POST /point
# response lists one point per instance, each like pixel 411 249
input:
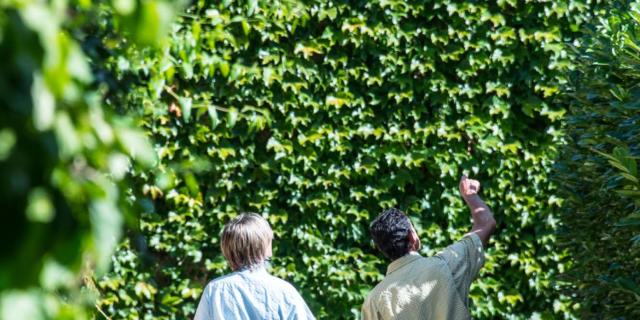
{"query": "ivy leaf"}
pixel 185 104
pixel 251 7
pixel 213 114
pixel 224 68
pixel 232 117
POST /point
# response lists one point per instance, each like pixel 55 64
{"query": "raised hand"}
pixel 483 222
pixel 468 187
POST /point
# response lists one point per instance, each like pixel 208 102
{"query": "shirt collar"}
pixel 260 268
pixel 403 261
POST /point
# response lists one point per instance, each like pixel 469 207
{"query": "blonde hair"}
pixel 246 241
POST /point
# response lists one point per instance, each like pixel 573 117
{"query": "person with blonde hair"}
pixel 250 292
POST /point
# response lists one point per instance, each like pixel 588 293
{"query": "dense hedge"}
pixel 320 115
pixel 63 157
pixel 599 169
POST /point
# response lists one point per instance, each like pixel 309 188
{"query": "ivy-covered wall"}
pixel 319 116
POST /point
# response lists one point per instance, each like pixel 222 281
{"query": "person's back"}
pixel 251 294
pixel 436 287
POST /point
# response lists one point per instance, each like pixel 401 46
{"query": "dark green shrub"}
pixel 63 158
pixel 598 169
pixel 319 116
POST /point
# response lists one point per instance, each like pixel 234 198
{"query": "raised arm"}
pixel 483 222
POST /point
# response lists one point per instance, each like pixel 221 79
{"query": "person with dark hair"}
pixel 435 287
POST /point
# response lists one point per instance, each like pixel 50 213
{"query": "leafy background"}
pixel 64 156
pixel 317 115
pixel 599 168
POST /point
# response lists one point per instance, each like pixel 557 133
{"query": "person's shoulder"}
pixel 469 242
pixel 436 267
pixel 222 281
pixel 380 290
pixel 422 269
pixel 370 299
pixel 280 284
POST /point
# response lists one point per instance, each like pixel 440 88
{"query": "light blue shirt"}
pixel 251 294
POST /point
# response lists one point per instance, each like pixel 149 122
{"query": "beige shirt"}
pixel 428 288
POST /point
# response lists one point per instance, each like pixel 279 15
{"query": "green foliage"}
pixel 63 159
pixel 319 116
pixel 598 169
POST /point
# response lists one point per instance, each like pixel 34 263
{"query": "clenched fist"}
pixel 469 187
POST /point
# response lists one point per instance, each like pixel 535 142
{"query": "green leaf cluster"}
pixel 63 157
pixel 598 168
pixel 320 115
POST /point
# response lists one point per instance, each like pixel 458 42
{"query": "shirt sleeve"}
pixel 301 311
pixel 464 258
pixel 304 311
pixel 368 313
pixel 298 307
pixel 203 311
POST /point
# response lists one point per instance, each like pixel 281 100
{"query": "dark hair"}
pixel 390 232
